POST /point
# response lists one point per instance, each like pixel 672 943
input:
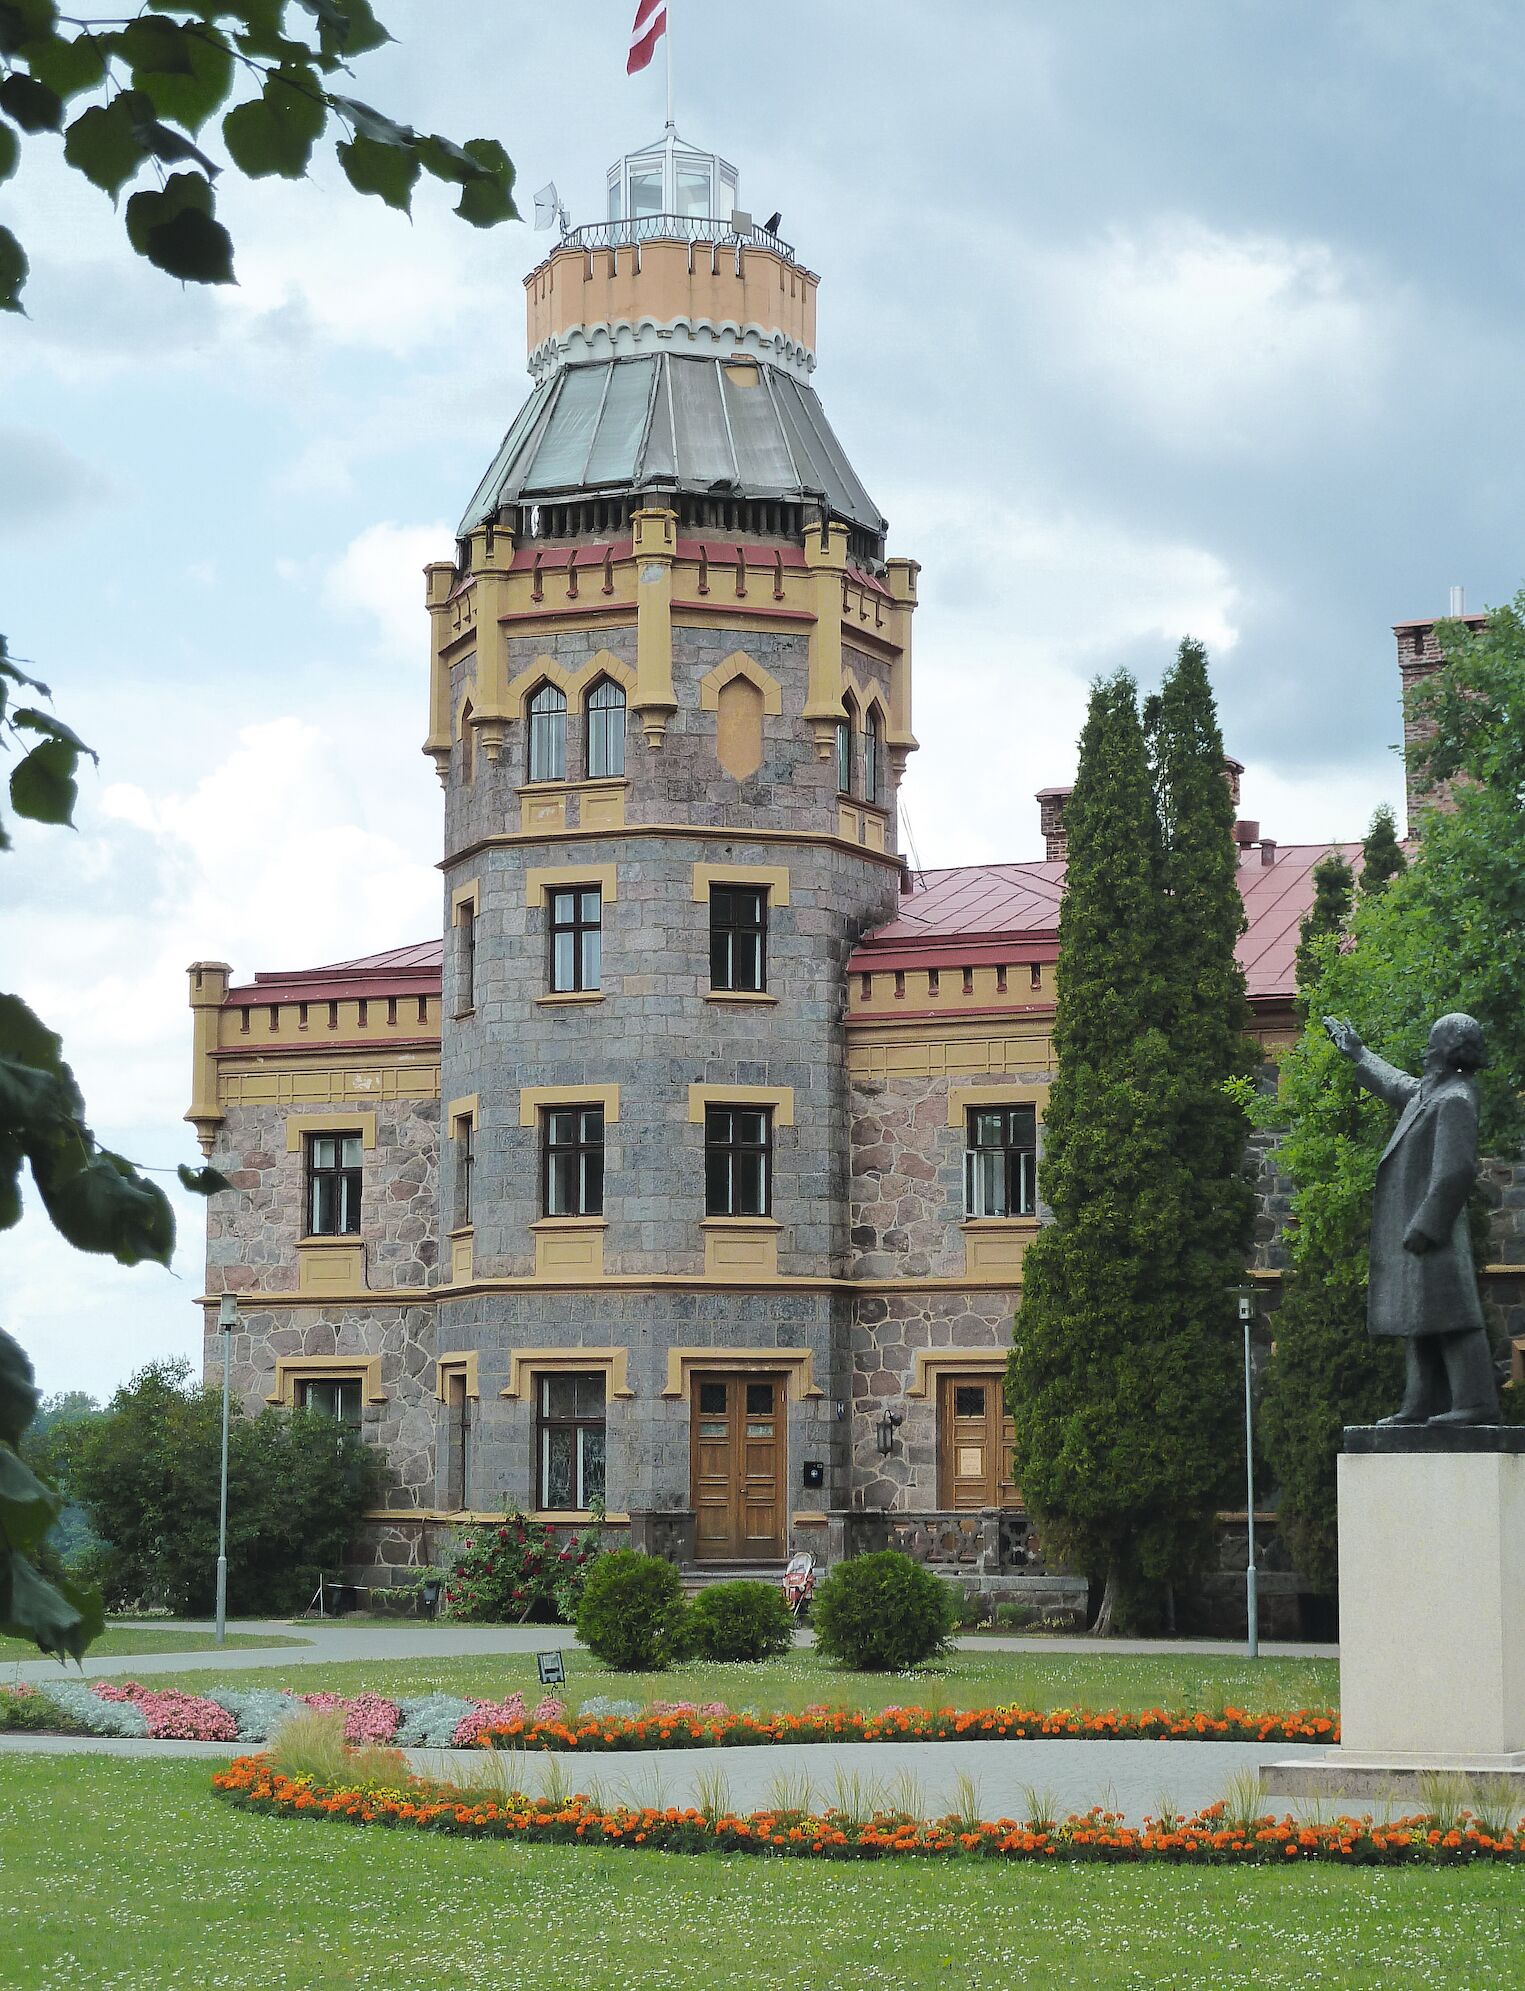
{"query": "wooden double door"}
pixel 974 1444
pixel 737 1460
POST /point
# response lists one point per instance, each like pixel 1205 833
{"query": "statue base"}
pixel 1432 1594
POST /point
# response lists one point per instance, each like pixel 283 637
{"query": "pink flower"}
pixel 487 1714
pixel 173 1716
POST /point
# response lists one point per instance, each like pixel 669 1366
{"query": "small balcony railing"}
pixel 673 228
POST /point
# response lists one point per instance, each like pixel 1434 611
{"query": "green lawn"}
pixel 965 1679
pixel 121 1642
pixel 180 1890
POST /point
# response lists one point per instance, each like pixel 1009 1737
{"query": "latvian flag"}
pixel 650 26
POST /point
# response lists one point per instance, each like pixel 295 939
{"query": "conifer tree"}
pixel 1333 894
pixel 1382 855
pixel 1102 1393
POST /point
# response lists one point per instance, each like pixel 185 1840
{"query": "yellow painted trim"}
pixel 569 1249
pixel 328 1265
pixel 930 1363
pixel 779 1097
pixel 774 878
pixel 739 995
pixel 739 664
pixel 291 1369
pixel 796 1364
pixel 299 1123
pixel 468 894
pixel 452 1364
pixel 522 1362
pixel 809 1520
pixel 807 839
pixel 542 878
pixel 569 995
pixel 1002 1092
pixel 576 1517
pixel 740 1247
pixel 574 685
pixel 475 1517
pixel 533 1097
pixel 463 1245
pixel 461 1109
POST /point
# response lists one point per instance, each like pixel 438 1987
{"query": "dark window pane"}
pixel 558 1396
pixel 759 1399
pixel 738 929
pixel 576 953
pixel 969 1400
pixel 558 1443
pixel 717 1183
pixel 711 1399
pixel 592 1465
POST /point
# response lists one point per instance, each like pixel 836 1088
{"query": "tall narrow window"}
pixel 738 1152
pixel 468 755
pixel 465 1162
pixel 574 1161
pixel 337 1397
pixel 873 754
pixel 606 730
pixel 577 938
pixel 569 1443
pixel 457 1439
pixel 548 735
pixel 1001 1161
pixel 844 756
pixel 465 957
pixel 738 938
pixel 333 1185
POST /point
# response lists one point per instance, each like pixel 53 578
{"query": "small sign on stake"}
pixel 553 1671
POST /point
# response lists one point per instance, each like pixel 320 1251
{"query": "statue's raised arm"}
pixel 1385 1080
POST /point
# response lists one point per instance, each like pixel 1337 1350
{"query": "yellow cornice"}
pixel 707 833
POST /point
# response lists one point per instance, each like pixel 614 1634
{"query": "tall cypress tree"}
pixel 1382 855
pixel 1099 1389
pixel 1333 893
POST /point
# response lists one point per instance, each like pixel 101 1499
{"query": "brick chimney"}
pixel 1051 802
pixel 1419 657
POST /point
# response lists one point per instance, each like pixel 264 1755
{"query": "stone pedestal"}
pixel 1432 1592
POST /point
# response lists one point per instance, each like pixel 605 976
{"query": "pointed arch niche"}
pixel 739 692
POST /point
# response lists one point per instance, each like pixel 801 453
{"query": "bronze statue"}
pixel 1423 1286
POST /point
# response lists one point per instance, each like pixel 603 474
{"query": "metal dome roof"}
pixel 673 422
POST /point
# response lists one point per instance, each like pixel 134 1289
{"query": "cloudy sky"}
pixel 1136 321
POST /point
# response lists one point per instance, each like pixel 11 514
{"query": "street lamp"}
pixel 227 1320
pixel 1244 1297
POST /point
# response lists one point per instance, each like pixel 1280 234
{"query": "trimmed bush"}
pixel 878 1613
pixel 632 1615
pixel 740 1621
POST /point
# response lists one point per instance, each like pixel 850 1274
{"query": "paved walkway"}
pixel 995 1778
pixel 341 1641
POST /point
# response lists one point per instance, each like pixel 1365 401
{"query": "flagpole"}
pixel 667 39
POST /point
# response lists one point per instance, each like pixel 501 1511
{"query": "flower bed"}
pixel 1210 1837
pixel 718 1728
pixel 443 1721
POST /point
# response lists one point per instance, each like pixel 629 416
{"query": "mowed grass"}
pixel 1129 1681
pixel 121 1875
pixel 123 1642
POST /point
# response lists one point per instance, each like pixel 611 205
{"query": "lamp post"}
pixel 227 1320
pixel 1245 1299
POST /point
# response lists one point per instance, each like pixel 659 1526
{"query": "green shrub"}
pixel 632 1615
pixel 878 1613
pixel 22 1707
pixel 518 1574
pixel 740 1621
pixel 1015 1617
pixel 970 1607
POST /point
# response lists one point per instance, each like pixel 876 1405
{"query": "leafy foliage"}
pixel 1382 855
pixel 161 77
pixel 1446 933
pixel 518 1574
pixel 147 1473
pixel 740 1621
pixel 1122 1377
pixel 1334 889
pixel 881 1612
pixel 632 1615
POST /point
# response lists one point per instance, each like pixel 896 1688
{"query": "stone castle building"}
pixel 688 1175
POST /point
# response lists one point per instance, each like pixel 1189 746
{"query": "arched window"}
pixel 845 749
pixel 468 746
pixel 873 754
pixel 548 735
pixel 606 729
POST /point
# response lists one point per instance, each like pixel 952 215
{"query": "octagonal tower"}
pixel 670 707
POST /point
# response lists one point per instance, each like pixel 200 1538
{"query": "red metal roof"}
pixel 413 970
pixel 980 912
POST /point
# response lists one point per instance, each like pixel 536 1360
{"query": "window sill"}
pixel 1000 1224
pixel 463 1230
pixel 458 1015
pixel 330 1240
pixel 739 995
pixel 573 785
pixel 581 1516
pixel 570 1224
pixel 740 1224
pixel 570 995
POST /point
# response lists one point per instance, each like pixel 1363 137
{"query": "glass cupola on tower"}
pixel 672 177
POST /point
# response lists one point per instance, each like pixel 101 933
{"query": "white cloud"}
pixel 1214 342
pixel 379 576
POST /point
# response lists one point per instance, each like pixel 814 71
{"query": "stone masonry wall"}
pixel 888 1331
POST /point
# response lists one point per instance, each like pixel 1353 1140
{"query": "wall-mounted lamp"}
pixel 886 1428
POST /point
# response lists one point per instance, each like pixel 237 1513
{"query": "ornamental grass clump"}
pixel 740 1621
pixel 632 1615
pixel 881 1613
pixel 310 1748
